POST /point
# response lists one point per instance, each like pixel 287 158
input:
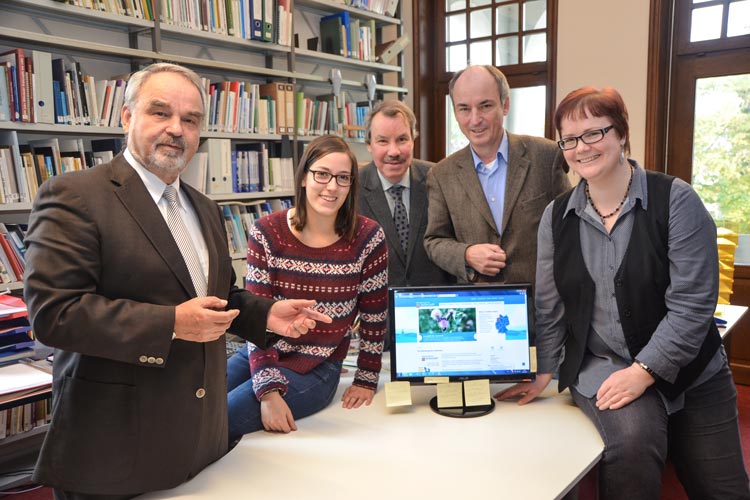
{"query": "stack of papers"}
pixel 21 380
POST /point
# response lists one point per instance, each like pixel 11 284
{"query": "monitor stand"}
pixel 462 411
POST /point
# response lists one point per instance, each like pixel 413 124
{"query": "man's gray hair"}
pixel 136 80
pixel 503 89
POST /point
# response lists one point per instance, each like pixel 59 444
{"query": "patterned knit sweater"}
pixel 345 278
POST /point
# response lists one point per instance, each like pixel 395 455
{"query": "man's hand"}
pixel 355 395
pixel 528 390
pixel 275 413
pixel 485 258
pixel 623 387
pixel 293 317
pixel 202 319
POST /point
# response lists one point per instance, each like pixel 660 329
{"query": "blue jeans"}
pixel 306 393
pixel 702 440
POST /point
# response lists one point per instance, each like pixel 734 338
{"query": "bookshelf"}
pixel 108 44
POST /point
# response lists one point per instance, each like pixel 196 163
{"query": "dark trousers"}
pixel 702 440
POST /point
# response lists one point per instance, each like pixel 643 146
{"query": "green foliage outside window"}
pixel 721 148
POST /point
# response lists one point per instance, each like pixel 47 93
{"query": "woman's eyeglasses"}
pixel 322 177
pixel 590 137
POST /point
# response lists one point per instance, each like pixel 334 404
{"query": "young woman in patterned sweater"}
pixel 320 249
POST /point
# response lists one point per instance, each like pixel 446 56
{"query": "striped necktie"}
pixel 184 241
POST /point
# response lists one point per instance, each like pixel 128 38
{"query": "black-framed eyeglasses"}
pixel 323 177
pixel 590 137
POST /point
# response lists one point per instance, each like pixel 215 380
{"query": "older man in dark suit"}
pixel 486 200
pixel 390 133
pixel 129 278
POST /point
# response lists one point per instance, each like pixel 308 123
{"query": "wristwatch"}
pixel 647 369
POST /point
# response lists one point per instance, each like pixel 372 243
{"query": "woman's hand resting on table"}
pixel 528 390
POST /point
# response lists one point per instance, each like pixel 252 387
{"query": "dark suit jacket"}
pixel 133 410
pixel 460 215
pixel 412 267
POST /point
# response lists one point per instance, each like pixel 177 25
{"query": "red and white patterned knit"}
pixel 345 278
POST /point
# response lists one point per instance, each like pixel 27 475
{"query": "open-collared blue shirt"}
pixel 493 180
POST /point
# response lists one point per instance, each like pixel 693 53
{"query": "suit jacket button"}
pixel 159 361
pixel 143 359
pixel 151 360
pixel 200 393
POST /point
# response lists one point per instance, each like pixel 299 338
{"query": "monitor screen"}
pixel 461 332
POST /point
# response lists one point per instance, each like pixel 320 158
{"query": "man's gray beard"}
pixel 169 165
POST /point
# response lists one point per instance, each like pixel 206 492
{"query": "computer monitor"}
pixel 461 332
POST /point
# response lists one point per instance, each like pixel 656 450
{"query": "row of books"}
pixel 332 115
pixel 242 107
pixel 385 7
pixel 81 99
pixel 141 9
pixel 219 167
pixel 12 255
pixel 23 418
pixel 24 167
pixel 263 20
pixel 22 77
pixel 343 35
pixel 36 88
pixel 218 14
pixel 240 217
pixel 222 168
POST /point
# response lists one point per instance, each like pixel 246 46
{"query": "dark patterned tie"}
pixel 184 241
pixel 400 217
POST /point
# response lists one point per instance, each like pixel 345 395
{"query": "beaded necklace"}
pixel 622 202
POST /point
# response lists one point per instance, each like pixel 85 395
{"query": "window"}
pixel 708 134
pixel 498 33
pixel 711 20
pixel 721 151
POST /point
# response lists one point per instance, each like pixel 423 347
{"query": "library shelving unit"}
pixel 106 43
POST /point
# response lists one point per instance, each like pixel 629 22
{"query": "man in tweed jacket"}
pixel 486 199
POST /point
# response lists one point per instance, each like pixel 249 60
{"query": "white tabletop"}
pixel 731 314
pixel 536 451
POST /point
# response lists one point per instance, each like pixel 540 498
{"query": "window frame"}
pixel 669 49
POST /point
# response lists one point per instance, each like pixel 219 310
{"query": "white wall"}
pixel 605 43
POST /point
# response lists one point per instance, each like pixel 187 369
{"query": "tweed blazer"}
pixel 133 409
pixel 460 216
pixel 412 267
